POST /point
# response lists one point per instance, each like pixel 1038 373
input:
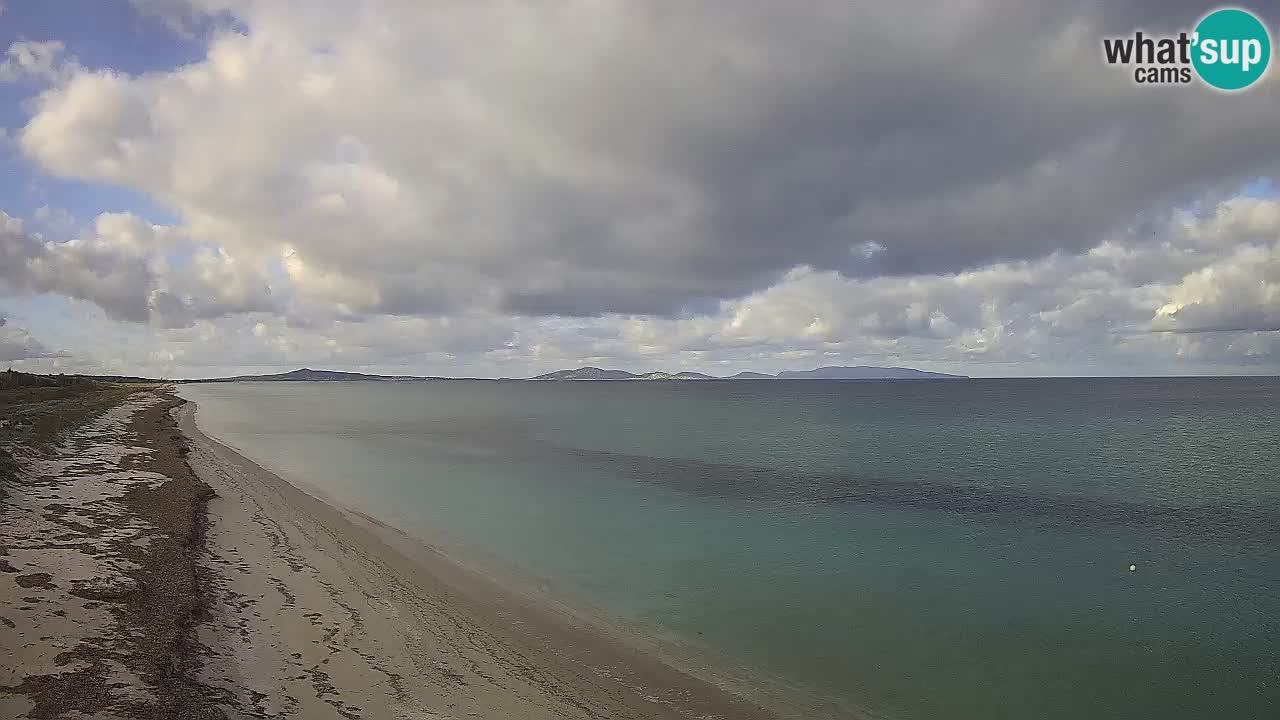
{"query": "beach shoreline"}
pixel 149 571
pixel 322 612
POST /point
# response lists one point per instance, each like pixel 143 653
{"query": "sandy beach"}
pixel 238 595
pixel 98 542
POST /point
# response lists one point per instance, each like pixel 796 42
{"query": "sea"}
pixel 1029 548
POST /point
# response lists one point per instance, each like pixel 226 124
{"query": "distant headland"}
pixel 860 372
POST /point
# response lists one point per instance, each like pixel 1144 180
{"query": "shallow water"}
pixel 912 550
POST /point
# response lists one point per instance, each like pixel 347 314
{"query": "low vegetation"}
pixel 36 410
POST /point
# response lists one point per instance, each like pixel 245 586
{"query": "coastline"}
pixel 321 612
pixel 149 571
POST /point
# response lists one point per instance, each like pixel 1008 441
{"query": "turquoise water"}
pixel 908 550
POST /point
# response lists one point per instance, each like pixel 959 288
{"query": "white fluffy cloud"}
pixel 37 61
pixel 17 343
pixel 133 270
pixel 517 184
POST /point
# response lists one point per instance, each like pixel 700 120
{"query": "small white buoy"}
pixel 1132 568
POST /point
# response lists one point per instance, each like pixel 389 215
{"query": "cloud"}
pixel 133 270
pixel 18 344
pixel 1240 290
pixel 1240 294
pixel 620 157
pixel 57 220
pixel 36 61
pixel 699 185
pixel 1121 304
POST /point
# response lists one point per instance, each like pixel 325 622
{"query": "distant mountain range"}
pixel 595 373
pixel 861 372
pixel 866 372
pixel 309 375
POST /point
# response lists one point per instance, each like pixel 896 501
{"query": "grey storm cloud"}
pixel 947 137
pixel 647 157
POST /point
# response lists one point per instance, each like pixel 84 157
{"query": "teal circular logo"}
pixel 1231 49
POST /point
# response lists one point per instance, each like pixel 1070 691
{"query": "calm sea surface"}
pixel 907 550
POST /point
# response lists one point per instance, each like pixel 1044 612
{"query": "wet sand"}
pixel 321 613
pixel 130 590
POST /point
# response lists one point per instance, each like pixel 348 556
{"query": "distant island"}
pixel 860 372
pixel 866 372
pixel 309 375
pixel 594 373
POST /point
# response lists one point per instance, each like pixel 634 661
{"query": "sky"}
pixel 196 188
